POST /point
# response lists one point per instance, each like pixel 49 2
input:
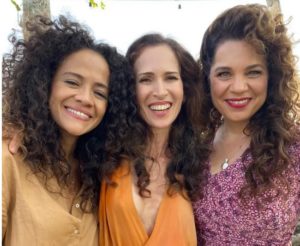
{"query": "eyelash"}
pixel 223 74
pixel 172 78
pixel 71 82
pixel 142 80
pixel 252 73
pixel 74 83
pixel 102 95
pixel 255 72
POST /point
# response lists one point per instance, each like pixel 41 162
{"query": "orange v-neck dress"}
pixel 120 224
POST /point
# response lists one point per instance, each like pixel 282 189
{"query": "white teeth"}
pixel 160 107
pixel 239 102
pixel 80 114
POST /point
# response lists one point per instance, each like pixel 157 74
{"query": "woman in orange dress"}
pixel 145 196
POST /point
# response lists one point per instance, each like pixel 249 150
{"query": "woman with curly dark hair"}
pixel 56 89
pixel 249 77
pixel 152 176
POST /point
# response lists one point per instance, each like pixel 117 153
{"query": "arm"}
pixel 9 190
pixel 6 162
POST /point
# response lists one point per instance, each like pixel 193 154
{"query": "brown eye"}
pixel 71 82
pixel 172 78
pixel 254 73
pixel 101 95
pixel 224 75
pixel 144 80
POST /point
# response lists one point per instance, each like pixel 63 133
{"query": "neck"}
pixel 231 133
pixel 68 145
pixel 229 143
pixel 232 129
pixel 158 144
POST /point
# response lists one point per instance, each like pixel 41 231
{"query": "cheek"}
pixel 54 95
pixel 177 91
pixel 218 87
pixel 180 91
pixel 101 109
pixel 52 103
pixel 261 88
pixel 264 87
pixel 215 88
pixel 141 95
pixel 181 95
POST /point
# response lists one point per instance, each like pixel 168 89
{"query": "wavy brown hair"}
pixel 186 170
pixel 272 128
pixel 27 77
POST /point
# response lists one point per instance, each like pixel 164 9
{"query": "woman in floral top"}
pixel 253 191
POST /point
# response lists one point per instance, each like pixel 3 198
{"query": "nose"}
pixel 84 96
pixel 160 89
pixel 239 84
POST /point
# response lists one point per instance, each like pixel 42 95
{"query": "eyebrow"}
pixel 256 65
pixel 175 72
pixel 145 73
pixel 151 73
pixel 99 84
pixel 249 67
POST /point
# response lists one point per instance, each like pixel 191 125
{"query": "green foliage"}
pixel 93 4
pixel 16 5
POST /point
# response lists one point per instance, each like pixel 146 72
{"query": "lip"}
pixel 85 115
pixel 238 102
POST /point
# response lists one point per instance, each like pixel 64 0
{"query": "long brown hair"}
pixel 272 128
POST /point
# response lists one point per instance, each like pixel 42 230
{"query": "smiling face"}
pixel 159 87
pixel 78 98
pixel 238 81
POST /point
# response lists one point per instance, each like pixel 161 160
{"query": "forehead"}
pixel 85 58
pixel 156 56
pixel 237 52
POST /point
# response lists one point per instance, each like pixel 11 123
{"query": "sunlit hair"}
pixel 27 77
pixel 272 128
pixel 185 171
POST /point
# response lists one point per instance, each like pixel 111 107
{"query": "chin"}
pixel 161 127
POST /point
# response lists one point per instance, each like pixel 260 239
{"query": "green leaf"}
pixel 16 5
pixel 93 4
pixel 102 5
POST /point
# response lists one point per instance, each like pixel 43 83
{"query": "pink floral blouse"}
pixel 222 219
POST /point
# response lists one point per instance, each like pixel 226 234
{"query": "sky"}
pixel 122 21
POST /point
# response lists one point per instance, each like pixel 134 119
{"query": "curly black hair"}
pixel 27 77
pixel 186 170
pixel 273 127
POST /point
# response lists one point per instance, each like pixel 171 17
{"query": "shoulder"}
pixel 11 163
pixel 294 152
pixel 124 169
pixel 7 157
pixel 294 148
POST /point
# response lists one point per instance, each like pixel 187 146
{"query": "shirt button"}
pixel 76 231
pixel 77 205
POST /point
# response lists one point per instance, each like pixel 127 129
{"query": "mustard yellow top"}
pixel 120 224
pixel 34 216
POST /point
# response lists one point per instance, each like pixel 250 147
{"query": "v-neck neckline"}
pixel 138 218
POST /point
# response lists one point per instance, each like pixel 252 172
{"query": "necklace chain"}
pixel 225 163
